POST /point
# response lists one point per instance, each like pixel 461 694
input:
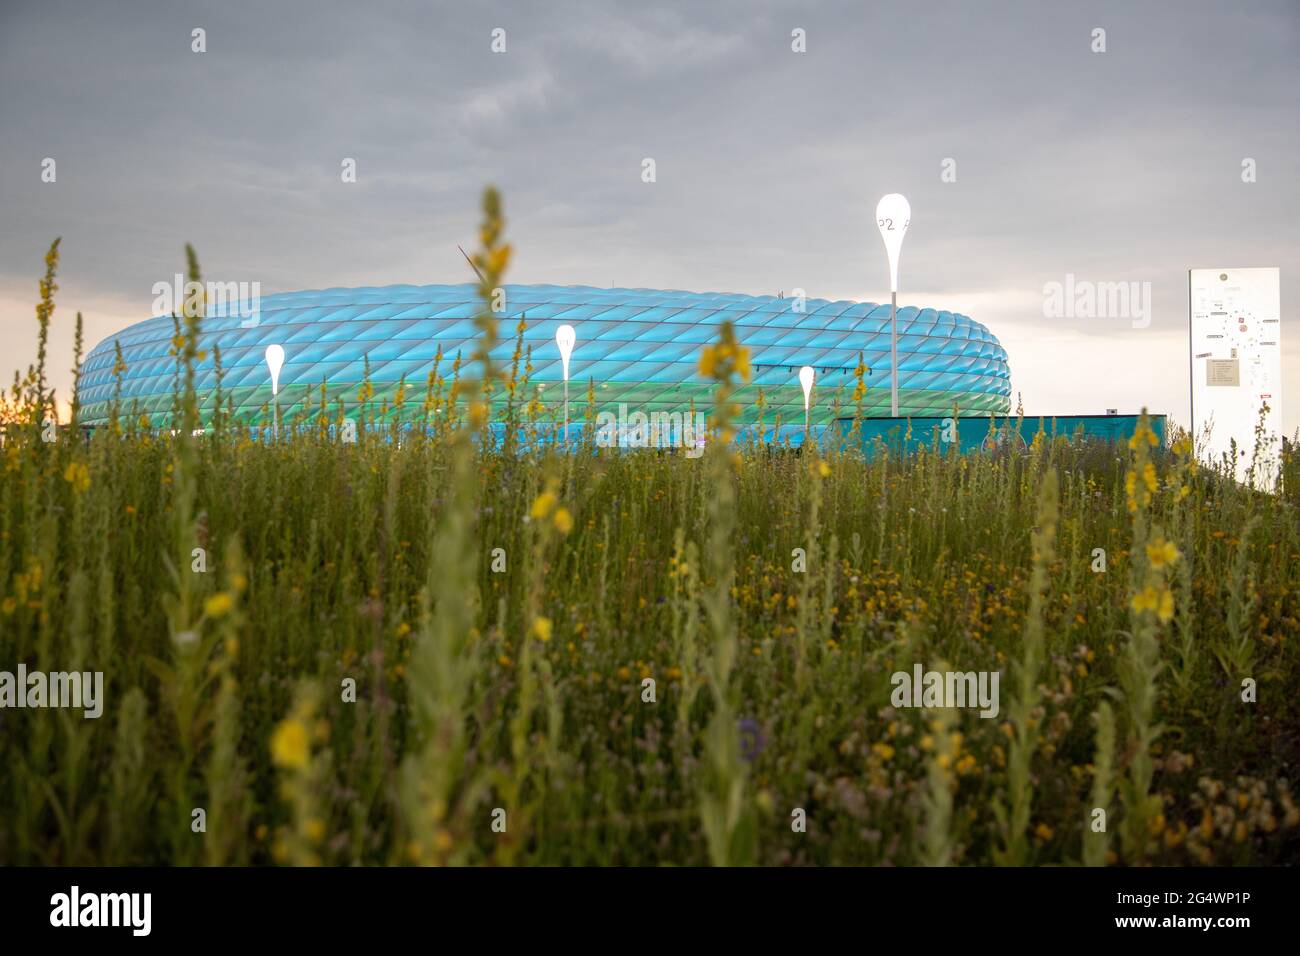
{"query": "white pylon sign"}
pixel 275 362
pixel 806 376
pixel 565 337
pixel 893 216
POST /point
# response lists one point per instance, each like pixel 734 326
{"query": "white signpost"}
pixel 275 362
pixel 565 337
pixel 1236 367
pixel 893 216
pixel 806 376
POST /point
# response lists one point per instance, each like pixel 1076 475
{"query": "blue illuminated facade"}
pixel 637 346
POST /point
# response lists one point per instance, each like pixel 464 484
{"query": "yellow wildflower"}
pixel 1149 477
pixel 543 506
pixel 289 744
pixel 1162 552
pixel 1148 599
pixel 217 605
pixel 563 520
pixel 742 363
pixel 1166 610
pixel 78 476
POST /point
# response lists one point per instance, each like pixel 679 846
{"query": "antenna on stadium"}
pixel 471 264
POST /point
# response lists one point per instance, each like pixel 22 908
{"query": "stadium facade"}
pixel 639 347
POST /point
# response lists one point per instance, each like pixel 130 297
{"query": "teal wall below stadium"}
pixel 906 435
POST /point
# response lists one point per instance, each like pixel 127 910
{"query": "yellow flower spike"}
pixel 1149 477
pixel 78 476
pixel 290 747
pixel 542 629
pixel 708 361
pixel 1148 599
pixel 218 604
pixel 1166 609
pixel 742 363
pixel 1161 552
pixel 543 506
pixel 563 521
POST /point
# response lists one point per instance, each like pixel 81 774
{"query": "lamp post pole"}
pixel 275 362
pixel 806 376
pixel 565 337
pixel 893 216
pixel 893 352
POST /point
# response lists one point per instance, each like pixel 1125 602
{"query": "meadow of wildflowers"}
pixel 425 647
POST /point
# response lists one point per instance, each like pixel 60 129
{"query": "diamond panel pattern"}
pixel 640 346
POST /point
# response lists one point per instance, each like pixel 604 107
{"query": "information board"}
pixel 1236 367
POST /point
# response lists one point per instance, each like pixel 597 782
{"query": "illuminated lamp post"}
pixel 275 362
pixel 806 376
pixel 565 337
pixel 893 216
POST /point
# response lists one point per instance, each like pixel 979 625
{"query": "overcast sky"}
pixel 1117 166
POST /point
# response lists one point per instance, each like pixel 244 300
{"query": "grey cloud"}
pixel 1115 166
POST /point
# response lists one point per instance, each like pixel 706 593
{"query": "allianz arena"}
pixel 636 346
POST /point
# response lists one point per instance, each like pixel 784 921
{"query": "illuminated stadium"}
pixel 638 347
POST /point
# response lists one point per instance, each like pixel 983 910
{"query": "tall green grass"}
pixel 500 608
